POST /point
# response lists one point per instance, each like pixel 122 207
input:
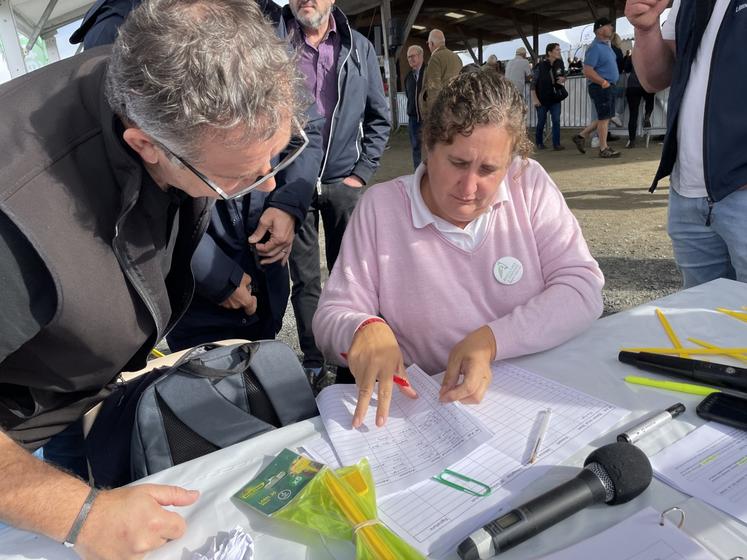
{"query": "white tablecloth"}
pixel 588 362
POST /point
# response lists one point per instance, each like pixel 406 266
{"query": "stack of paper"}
pixel 420 439
pixel 640 537
pixel 709 463
pixel 433 517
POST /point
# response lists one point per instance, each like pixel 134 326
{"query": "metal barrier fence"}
pixel 576 109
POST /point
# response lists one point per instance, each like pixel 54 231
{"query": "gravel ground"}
pixel 624 224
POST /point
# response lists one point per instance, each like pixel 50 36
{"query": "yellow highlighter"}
pixel 671 385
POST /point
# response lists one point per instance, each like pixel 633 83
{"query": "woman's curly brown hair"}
pixel 474 99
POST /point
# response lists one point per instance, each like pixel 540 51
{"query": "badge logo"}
pixel 508 270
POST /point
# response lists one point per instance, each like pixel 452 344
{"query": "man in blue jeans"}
pixel 703 151
pixel 547 74
pixel 600 69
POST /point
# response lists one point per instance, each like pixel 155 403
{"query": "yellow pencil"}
pixel 668 329
pixel 355 516
pixel 689 351
pixel 156 353
pixel 735 355
pixel 736 314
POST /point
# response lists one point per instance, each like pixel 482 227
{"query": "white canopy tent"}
pixel 38 20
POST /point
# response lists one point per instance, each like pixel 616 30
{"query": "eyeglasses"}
pixel 285 162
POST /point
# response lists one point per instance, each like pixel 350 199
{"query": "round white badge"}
pixel 508 270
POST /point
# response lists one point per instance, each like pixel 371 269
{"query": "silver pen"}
pixel 638 431
pixel 541 433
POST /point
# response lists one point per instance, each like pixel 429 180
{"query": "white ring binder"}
pixel 669 510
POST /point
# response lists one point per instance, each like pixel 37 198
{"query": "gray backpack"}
pixel 215 397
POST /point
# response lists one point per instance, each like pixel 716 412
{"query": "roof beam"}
pixel 523 37
pixel 63 19
pixel 489 8
pixel 592 9
pixel 465 42
pixel 354 8
pixel 409 22
pixel 452 30
pixel 40 26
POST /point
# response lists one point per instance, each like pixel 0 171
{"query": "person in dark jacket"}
pixel 547 73
pixel 413 87
pixel 102 20
pixel 634 93
pixel 107 174
pixel 342 74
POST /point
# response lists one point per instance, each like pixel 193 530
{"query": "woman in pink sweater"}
pixel 475 258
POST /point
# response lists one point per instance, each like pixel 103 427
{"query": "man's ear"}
pixel 143 145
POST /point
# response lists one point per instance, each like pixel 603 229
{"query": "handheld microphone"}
pixel 613 474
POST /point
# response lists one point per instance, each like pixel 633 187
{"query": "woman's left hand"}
pixel 471 360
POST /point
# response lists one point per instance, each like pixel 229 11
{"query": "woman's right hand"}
pixel 374 355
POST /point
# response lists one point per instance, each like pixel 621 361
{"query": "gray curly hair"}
pixel 189 71
pixel 477 98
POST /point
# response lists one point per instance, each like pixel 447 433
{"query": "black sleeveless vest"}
pixel 725 120
pixel 73 190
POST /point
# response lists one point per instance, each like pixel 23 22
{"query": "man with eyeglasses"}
pixel 413 87
pixel 109 164
pixel 242 283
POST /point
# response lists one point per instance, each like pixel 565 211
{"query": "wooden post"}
pixel 386 18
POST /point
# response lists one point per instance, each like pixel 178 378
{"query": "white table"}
pixel 588 363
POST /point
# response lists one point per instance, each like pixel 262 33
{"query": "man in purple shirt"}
pixel 317 41
pixel 342 74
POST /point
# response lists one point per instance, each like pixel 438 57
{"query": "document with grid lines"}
pixel 435 518
pixel 421 437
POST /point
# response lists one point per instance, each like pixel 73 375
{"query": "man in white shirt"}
pixel 518 70
pixel 704 150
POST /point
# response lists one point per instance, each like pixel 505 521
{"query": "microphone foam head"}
pixel 627 467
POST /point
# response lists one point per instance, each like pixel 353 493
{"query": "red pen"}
pixel 401 381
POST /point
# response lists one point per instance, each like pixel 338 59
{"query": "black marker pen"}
pixel 637 432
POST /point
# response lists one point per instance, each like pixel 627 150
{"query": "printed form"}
pixel 640 537
pixel 420 439
pixel 435 518
pixel 709 463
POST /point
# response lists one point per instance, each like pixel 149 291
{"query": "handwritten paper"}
pixel 435 518
pixel 421 437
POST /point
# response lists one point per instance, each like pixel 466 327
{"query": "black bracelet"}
pixel 85 509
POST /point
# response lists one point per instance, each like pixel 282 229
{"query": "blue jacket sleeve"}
pixel 376 123
pixel 296 183
pixel 216 274
pixel 101 22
